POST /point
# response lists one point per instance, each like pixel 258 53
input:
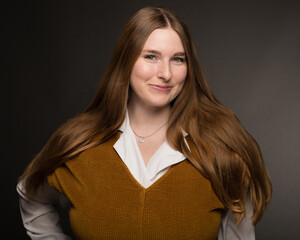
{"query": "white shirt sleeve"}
pixel 244 231
pixel 40 215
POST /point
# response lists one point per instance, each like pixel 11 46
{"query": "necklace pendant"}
pixel 141 140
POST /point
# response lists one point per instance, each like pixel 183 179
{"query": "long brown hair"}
pixel 221 149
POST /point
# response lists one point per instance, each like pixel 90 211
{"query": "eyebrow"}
pixel 159 53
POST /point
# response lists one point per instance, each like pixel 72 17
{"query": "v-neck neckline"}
pixel 127 149
pixel 126 146
pixel 136 182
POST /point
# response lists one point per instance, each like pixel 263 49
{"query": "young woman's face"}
pixel 159 73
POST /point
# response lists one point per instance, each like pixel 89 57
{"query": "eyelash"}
pixel 150 57
pixel 178 59
pixel 153 57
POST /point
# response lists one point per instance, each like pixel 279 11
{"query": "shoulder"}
pixel 99 151
pixel 84 164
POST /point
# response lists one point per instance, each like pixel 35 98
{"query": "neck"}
pixel 146 119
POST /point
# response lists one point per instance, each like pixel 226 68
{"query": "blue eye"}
pixel 178 59
pixel 150 57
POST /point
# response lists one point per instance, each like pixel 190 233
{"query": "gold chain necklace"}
pixel 142 139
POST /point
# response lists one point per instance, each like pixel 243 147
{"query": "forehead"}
pixel 164 40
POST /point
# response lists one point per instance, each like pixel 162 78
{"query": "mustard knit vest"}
pixel 109 203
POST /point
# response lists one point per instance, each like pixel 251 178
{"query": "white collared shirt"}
pixel 41 218
pixel 129 152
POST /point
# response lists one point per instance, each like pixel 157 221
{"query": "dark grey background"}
pixel 55 52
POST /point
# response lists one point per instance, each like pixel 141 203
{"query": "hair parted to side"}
pixel 222 150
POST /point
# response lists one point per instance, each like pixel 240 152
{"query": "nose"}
pixel 164 71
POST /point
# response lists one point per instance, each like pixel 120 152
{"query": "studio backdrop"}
pixel 57 51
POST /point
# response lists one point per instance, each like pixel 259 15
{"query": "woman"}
pixel 154 156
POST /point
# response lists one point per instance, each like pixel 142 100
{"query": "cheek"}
pixel 181 76
pixel 180 79
pixel 180 87
pixel 141 71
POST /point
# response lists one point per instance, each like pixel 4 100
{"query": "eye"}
pixel 178 60
pixel 150 57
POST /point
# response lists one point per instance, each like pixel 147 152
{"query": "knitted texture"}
pixel 109 203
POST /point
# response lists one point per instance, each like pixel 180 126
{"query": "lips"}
pixel 160 88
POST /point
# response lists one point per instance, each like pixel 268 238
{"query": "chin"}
pixel 160 104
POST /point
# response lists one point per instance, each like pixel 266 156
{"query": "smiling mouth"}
pixel 160 88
